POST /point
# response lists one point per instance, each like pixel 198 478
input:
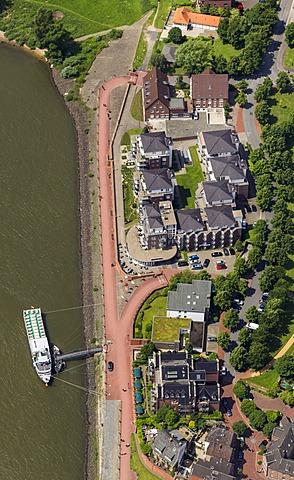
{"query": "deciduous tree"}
pixel 223 340
pixel 241 389
pixel 231 319
pixel 238 358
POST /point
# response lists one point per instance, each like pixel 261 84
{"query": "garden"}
pixel 188 182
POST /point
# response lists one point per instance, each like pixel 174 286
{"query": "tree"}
pixel 159 61
pixel 220 64
pixel 284 366
pixel 262 112
pixel 223 299
pixel 254 256
pixel 175 35
pixel 287 397
pixel 257 419
pixel 223 340
pixel 277 253
pixel 241 99
pixel 244 337
pixel 258 355
pixel 147 351
pixel 231 319
pixel 283 81
pixel 263 91
pixel 239 428
pixel 289 34
pixel 43 23
pixel 241 389
pixel 273 416
pixel 252 314
pixel 268 278
pixel 264 198
pixel 222 30
pixel 236 32
pixel 240 267
pixel 161 413
pixel 171 417
pixel 242 85
pixel 189 347
pixel 247 407
pixel 268 429
pixel 239 246
pixel 195 55
pixel 238 358
pixel 260 167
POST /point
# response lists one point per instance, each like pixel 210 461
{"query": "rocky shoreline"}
pixel 80 118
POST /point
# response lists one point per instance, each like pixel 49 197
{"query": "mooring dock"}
pixel 77 354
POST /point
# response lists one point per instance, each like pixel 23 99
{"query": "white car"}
pixel 224 371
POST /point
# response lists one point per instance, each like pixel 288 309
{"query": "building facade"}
pixel 209 90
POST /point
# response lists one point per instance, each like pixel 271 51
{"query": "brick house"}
pixel 156 94
pixel 278 460
pixel 209 90
pixel 215 3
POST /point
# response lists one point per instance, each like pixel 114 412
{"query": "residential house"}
pixel 169 333
pixel 209 90
pixel 186 19
pixel 154 151
pixel 190 300
pixel 231 168
pixel 215 3
pixel 215 193
pixel 169 448
pixel 154 186
pixel 220 456
pixel 156 94
pixel 218 143
pixel 185 384
pixel 278 460
pixel 159 225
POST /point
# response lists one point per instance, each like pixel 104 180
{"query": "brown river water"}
pixel 42 430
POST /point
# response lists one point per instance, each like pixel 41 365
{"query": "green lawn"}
pixel 130 212
pixel 164 6
pixel 140 52
pixel 126 138
pixel 156 309
pixel 166 329
pixel 284 105
pixel 137 106
pixel 226 50
pixel 82 17
pixel 267 379
pixel 188 182
pixel 136 464
pixel 289 58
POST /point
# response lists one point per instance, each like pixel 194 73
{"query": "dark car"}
pixel 110 366
pixel 263 443
pixel 254 209
pixel 183 263
pixel 226 252
pixel 249 209
pixel 216 254
pixel 232 251
pixel 225 402
pixel 206 263
pixel 212 339
pixel 240 455
pixel 229 412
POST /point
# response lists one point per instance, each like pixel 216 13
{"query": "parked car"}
pixel 225 402
pixel 193 257
pixel 226 252
pixel 196 260
pixel 211 339
pixel 183 263
pixel 224 371
pixel 220 262
pixel 196 266
pixel 216 254
pixel 249 209
pixel 232 251
pixel 254 209
pixel 240 301
pixel 263 443
pixel 261 307
pixel 206 263
pixel 265 296
pixel 221 267
pixel 240 455
pixel 236 306
pixel 244 224
pixel 110 366
pixel 229 412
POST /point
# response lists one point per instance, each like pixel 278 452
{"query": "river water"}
pixel 42 430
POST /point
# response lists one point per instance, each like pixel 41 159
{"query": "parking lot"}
pixel 212 267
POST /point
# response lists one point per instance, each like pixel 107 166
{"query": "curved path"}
pixel 117 330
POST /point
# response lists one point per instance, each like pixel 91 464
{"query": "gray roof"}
pixel 169 51
pixel 157 179
pixel 220 217
pixel 193 297
pixel 280 454
pixel 222 444
pixel 170 446
pixel 154 142
pixel 189 220
pixel 153 215
pixel 213 470
pixel 177 104
pixel 217 191
pixel 220 142
pixel 227 167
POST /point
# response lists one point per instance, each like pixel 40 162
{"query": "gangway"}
pixel 77 354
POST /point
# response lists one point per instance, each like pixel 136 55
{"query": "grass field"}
pixel 136 464
pixel 226 50
pixel 126 138
pixel 140 52
pixel 188 182
pixel 267 379
pixel 166 329
pixel 283 106
pixel 130 212
pixel 82 17
pixel 156 309
pixel 137 106
pixel 289 58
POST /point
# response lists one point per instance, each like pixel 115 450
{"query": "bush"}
pixel 69 72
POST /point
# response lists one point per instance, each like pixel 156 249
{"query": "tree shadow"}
pixel 183 194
